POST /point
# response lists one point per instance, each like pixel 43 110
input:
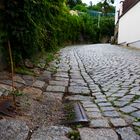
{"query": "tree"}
pixel 97 7
pixel 80 7
pixel 108 1
pixel 73 3
pixel 104 7
pixel 91 3
pixel 107 27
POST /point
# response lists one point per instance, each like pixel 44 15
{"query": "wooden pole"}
pixel 12 72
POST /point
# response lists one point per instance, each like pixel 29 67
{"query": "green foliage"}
pixel 73 3
pixel 69 112
pixel 25 71
pixel 109 1
pixel 104 7
pixel 17 93
pixel 34 26
pixel 74 135
pixel 107 25
pixel 80 7
pixel 30 25
pixel 90 28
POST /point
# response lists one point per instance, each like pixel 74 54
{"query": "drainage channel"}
pixel 75 114
pixel 80 114
pixel 100 87
pixel 76 56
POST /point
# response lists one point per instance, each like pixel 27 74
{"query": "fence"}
pixel 97 13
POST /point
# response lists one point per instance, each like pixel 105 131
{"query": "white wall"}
pixel 129 25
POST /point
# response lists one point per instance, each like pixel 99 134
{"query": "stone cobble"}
pixel 105 79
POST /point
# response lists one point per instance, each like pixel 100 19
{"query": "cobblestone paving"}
pixel 106 80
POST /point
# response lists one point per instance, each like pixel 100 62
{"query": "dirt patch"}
pixel 45 109
pixel 41 111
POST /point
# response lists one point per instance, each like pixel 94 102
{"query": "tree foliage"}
pixel 73 3
pixel 80 7
pixel 29 25
pixel 107 27
pixel 108 1
pixel 104 7
pixel 33 26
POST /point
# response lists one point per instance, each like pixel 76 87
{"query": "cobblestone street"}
pixel 106 80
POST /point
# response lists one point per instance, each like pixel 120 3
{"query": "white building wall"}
pixel 129 26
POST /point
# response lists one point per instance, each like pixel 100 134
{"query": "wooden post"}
pixel 12 72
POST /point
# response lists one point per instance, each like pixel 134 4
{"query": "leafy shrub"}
pixel 107 25
pixel 35 26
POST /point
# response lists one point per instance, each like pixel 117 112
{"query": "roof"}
pixel 128 4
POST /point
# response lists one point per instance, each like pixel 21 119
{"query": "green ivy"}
pixel 33 26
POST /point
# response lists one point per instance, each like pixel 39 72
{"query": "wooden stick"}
pixel 12 72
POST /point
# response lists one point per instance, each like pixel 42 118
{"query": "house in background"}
pixel 128 22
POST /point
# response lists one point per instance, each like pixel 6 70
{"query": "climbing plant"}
pixel 25 24
pixel 107 25
pixel 32 26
